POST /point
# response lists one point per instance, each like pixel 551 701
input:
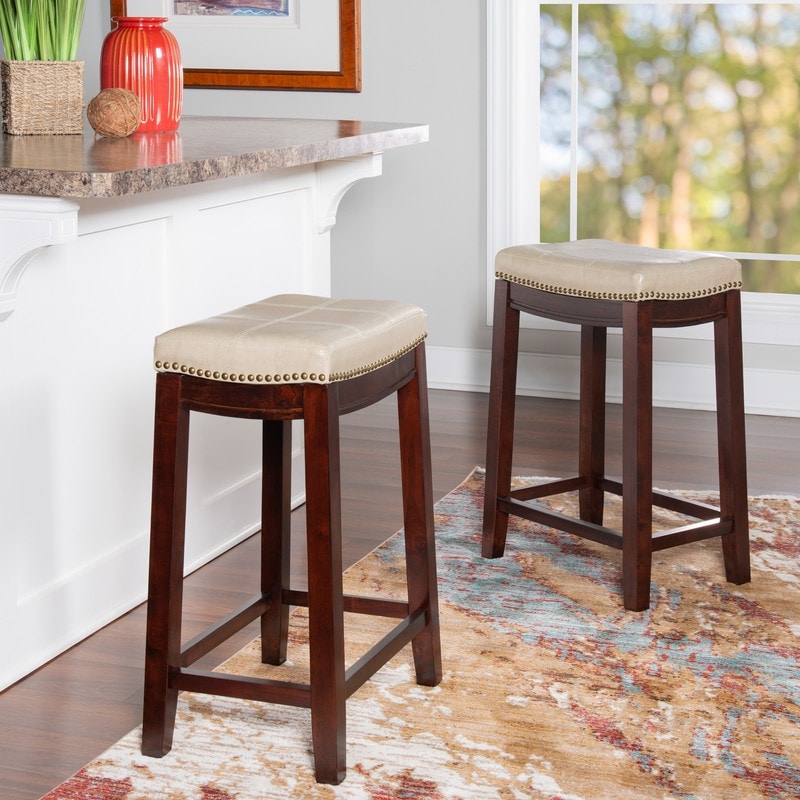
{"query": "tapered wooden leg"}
pixel 731 439
pixel 165 594
pixel 276 486
pixel 415 461
pixel 637 453
pixel 325 608
pixel 592 438
pixel 500 429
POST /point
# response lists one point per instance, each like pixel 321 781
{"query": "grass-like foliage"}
pixel 41 30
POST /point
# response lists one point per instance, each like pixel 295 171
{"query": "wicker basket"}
pixel 42 97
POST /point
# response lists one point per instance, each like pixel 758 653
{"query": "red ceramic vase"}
pixel 144 57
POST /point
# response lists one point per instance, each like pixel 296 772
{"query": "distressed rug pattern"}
pixel 551 690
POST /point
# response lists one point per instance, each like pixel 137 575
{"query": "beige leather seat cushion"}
pixel 293 338
pixel 615 271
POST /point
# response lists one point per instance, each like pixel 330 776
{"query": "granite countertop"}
pixel 203 149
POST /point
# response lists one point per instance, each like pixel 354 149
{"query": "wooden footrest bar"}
pixel 578 527
pixel 355 604
pixel 299 694
pixel 247 688
pixel 707 529
pixel 386 649
pixel 690 508
pixel 710 526
pixel 214 636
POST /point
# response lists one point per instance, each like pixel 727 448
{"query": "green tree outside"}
pixel 688 130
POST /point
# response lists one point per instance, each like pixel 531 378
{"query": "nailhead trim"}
pixel 505 276
pixel 295 377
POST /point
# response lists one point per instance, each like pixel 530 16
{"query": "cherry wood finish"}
pixel 72 709
pixel 636 539
pixel 168 662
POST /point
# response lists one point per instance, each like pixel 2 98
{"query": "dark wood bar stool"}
pixel 599 285
pixel 287 358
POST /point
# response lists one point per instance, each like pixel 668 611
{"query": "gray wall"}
pixel 415 233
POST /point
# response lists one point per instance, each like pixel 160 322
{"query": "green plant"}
pixel 41 30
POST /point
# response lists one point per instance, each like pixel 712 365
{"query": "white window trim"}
pixel 512 129
pixel 512 181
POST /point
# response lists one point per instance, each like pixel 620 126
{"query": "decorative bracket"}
pixel 334 178
pixel 27 225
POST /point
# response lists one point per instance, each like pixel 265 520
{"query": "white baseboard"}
pixel 675 385
pixel 45 623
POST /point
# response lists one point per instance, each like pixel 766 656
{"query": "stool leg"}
pixel 165 594
pixel 415 461
pixel 637 453
pixel 731 439
pixel 325 605
pixel 500 429
pixel 276 485
pixel 592 438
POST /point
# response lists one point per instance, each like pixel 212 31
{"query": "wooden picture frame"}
pixel 346 79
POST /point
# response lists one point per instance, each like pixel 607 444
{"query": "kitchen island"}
pixel 104 243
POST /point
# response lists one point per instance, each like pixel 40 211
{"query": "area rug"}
pixel 551 689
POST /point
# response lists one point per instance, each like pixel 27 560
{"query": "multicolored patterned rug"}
pixel 551 689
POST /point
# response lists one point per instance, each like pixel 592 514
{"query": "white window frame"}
pixel 512 185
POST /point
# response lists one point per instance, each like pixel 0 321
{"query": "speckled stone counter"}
pixel 203 149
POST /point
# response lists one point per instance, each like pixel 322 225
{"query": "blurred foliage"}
pixel 688 133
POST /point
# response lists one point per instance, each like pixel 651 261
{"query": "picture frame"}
pixel 344 78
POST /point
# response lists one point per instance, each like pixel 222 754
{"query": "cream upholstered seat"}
pixel 293 338
pixel 600 284
pixel 615 271
pixel 291 357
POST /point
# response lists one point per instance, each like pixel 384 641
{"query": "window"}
pixel 669 125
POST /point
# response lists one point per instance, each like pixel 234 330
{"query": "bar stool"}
pixel 599 285
pixel 285 358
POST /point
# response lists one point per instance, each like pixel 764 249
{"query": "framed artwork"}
pixel 305 45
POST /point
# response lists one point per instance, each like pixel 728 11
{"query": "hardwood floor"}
pixel 72 709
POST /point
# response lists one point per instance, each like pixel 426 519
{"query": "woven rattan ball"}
pixel 114 113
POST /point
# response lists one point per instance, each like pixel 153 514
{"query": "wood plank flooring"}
pixel 72 709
